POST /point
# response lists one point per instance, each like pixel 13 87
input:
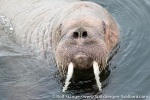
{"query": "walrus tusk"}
pixel 96 73
pixel 69 76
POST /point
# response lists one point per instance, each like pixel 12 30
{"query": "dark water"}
pixel 24 76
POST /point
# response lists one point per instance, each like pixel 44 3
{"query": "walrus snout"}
pixel 82 61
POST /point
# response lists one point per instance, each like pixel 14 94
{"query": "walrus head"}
pixel 82 43
pixel 84 38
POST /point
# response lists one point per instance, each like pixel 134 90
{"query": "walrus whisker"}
pixel 103 64
pixel 69 76
pixel 62 69
pixel 59 69
pixel 100 67
pixel 105 61
pixel 96 73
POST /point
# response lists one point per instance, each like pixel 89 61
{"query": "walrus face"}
pixel 83 38
pixel 82 43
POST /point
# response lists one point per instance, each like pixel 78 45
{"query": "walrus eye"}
pixel 104 27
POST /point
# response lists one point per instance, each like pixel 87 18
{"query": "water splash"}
pixel 5 25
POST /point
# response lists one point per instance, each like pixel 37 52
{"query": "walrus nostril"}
pixel 84 34
pixel 81 35
pixel 75 34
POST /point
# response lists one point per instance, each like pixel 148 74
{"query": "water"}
pixel 24 76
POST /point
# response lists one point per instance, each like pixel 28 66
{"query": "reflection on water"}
pixel 24 76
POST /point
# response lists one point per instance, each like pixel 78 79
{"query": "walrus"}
pixel 81 34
